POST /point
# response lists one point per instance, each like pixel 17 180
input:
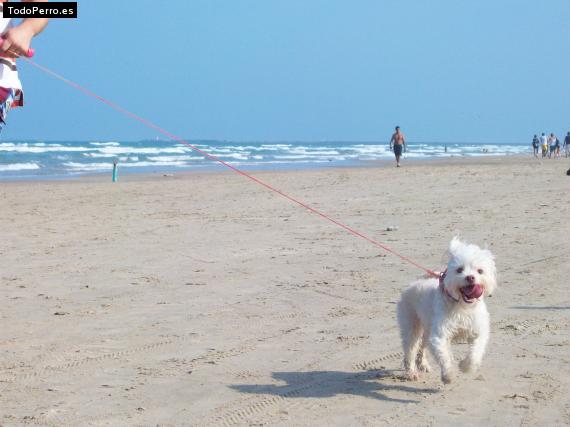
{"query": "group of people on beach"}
pixel 550 145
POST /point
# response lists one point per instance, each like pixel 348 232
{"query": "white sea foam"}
pixel 142 150
pixel 108 166
pixel 247 148
pixel 19 167
pixel 31 148
pixel 145 164
pixel 275 147
pixel 369 149
pixel 99 155
pixel 236 156
pixel 174 158
pixel 88 166
pixel 320 151
pixel 105 144
pixel 218 150
pixel 297 157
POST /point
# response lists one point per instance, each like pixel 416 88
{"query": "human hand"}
pixel 16 41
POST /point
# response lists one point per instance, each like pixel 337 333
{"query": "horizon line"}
pixel 254 141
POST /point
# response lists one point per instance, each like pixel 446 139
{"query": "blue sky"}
pixel 310 70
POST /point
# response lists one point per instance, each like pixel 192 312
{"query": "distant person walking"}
pixel 544 145
pixel 535 143
pixel 567 145
pixel 398 144
pixel 552 143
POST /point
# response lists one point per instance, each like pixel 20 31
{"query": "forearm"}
pixel 34 25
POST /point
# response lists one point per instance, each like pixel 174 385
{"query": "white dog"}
pixel 432 312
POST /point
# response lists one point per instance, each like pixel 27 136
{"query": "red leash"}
pixel 239 171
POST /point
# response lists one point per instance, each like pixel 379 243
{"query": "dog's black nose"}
pixel 470 279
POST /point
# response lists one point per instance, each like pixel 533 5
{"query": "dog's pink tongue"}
pixel 474 292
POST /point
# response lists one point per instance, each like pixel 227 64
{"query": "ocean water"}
pixel 39 159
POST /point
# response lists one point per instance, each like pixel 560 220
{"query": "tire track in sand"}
pixel 210 357
pixel 362 370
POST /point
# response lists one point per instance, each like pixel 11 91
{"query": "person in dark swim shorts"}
pixel 398 144
pixel 398 150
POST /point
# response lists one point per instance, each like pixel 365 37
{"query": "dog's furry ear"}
pixel 455 244
pixel 488 254
pixel 491 284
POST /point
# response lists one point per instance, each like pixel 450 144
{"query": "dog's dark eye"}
pixel 460 270
pixel 480 271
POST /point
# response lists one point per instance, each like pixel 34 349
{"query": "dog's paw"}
pixel 412 375
pixel 467 366
pixel 447 377
pixel 423 366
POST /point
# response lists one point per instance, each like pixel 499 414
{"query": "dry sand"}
pixel 204 299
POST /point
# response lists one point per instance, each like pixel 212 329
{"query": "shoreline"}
pixel 128 175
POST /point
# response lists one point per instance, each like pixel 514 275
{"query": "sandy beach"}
pixel 206 300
